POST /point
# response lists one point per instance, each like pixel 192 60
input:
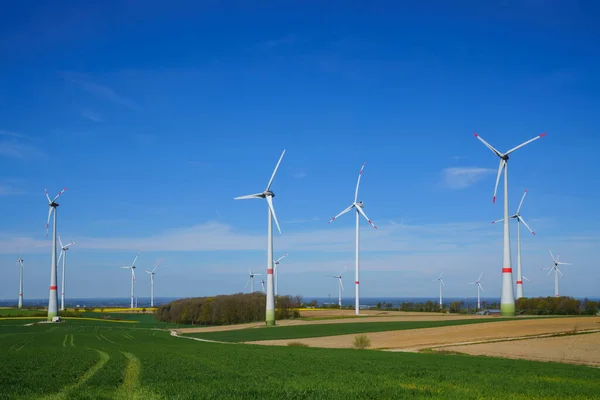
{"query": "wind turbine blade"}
pixel 525 223
pixel 557 257
pixel 344 270
pixel 442 282
pixel 561 274
pixel 551 255
pixel 133 273
pixel 281 258
pixel 441 274
pixel 358 182
pixel 48 221
pixel 480 276
pixel 250 196
pixel 563 263
pixel 489 146
pixel 274 172
pixel 60 256
pixel 60 241
pixel 498 220
pixel 135 259
pixel 472 283
pixel 341 284
pixel 250 272
pixel 125 267
pixel 148 272
pixel 342 213
pixel 549 271
pixel 526 279
pixel 521 203
pixel 48 197
pixel 69 244
pixel 527 142
pixel 257 274
pixel 270 201
pixel 367 218
pixel 155 268
pixel 500 167
pixel 246 285
pixel 481 287
pixel 59 194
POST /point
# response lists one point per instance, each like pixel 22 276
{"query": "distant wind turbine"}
pixel 358 207
pixel 507 301
pixel 556 271
pixel 53 299
pixel 132 268
pixel 251 280
pixel 276 268
pixel 441 284
pixel 519 219
pixel 152 284
pixel 20 265
pixel 478 283
pixel 63 255
pixel 268 195
pixel 340 286
pixel 262 283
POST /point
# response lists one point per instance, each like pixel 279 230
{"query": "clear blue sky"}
pixel 155 118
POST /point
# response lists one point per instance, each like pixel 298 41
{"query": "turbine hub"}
pixel 504 157
pixel 361 204
pixel 54 204
pixel 268 193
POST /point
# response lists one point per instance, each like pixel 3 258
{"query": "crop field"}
pixel 84 359
pixel 329 329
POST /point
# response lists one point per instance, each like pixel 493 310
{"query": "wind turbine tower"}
pixel 340 286
pixel 20 265
pixel 251 280
pixel 132 268
pixel 507 300
pixel 520 220
pixel 53 298
pixel 268 195
pixel 441 284
pixel 152 273
pixel 63 255
pixel 358 207
pixel 556 271
pixel 478 283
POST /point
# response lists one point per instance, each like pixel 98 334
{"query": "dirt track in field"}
pixel 348 318
pixel 417 339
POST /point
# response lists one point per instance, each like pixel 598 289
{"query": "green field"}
pixel 82 359
pixel 333 329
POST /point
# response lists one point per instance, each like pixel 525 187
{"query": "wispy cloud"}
pixel 101 91
pixel 299 174
pixel 301 220
pixel 9 190
pixel 14 134
pixel 462 177
pixel 91 115
pixel 17 146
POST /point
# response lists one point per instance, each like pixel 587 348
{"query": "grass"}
pixel 98 360
pixel 320 330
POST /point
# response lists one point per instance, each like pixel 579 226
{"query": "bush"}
pixel 361 342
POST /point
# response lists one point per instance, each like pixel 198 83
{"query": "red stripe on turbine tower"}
pixel 356 282
pixel 270 271
pixel 519 282
pixel 53 287
pixel 506 270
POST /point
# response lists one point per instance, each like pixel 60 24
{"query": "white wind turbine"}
pixel 358 206
pixel 268 195
pixel 441 284
pixel 152 273
pixel 556 271
pixel 478 283
pixel 276 268
pixel 262 283
pixel 20 265
pixel 53 299
pixel 519 219
pixel 251 280
pixel 507 301
pixel 132 268
pixel 63 255
pixel 340 286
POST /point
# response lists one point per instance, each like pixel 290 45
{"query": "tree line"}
pixel 556 306
pixel 226 309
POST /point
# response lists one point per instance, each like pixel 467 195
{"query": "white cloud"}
pixel 101 91
pixel 17 146
pixel 462 177
pixel 91 115
pixel 9 190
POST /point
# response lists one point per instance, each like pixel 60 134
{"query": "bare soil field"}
pixel 572 349
pixel 390 316
pixel 417 339
pixel 328 313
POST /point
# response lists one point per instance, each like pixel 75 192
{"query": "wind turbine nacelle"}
pixel 269 193
pixel 361 204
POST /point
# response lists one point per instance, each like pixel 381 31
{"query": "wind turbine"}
pixel 441 284
pixel 262 283
pixel 152 273
pixel 519 219
pixel 251 280
pixel 53 298
pixel 276 268
pixel 132 268
pixel 268 195
pixel 358 206
pixel 507 301
pixel 340 286
pixel 63 254
pixel 478 283
pixel 556 271
pixel 20 265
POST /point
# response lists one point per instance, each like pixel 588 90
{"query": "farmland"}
pixel 84 359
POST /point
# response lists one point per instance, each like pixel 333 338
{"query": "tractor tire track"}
pixel 131 388
pixel 67 390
